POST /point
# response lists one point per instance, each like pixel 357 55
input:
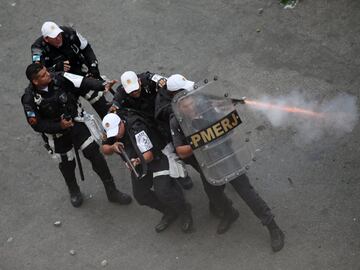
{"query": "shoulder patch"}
pixel 36 58
pixel 30 114
pixel 143 141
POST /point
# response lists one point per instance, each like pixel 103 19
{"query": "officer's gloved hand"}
pixel 161 83
pixel 113 108
pixel 94 71
pixel 63 66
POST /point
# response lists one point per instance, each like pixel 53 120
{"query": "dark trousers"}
pixel 242 186
pixel 216 194
pixel 160 192
pixel 75 137
pixel 258 206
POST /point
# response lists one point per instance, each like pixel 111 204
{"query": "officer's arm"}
pixel 152 83
pixel 109 146
pixel 184 151
pixel 118 98
pixel 38 123
pixel 143 142
pixel 39 55
pixel 148 156
pixel 88 54
pixel 84 86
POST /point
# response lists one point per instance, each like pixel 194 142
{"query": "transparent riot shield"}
pixel 216 131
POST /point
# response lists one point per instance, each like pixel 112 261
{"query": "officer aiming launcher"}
pixel 215 131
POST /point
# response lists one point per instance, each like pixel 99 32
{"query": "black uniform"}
pixel 44 110
pixel 145 104
pixel 216 193
pixel 163 109
pixel 138 139
pixel 78 52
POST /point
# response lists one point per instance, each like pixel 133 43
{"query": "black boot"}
pixel 277 236
pixel 186 219
pixel 216 211
pixel 76 199
pixel 67 168
pixel 229 217
pixel 166 220
pixel 114 195
pixel 186 182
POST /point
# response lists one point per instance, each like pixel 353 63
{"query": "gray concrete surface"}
pixel 314 47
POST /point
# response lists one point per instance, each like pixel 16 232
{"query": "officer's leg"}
pixel 186 182
pixel 260 209
pixel 90 149
pixel 170 193
pixel 144 195
pixel 219 201
pixel 247 192
pixel 63 150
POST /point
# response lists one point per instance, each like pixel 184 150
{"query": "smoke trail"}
pixel 340 115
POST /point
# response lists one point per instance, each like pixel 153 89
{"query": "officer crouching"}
pixel 143 149
pixel 51 106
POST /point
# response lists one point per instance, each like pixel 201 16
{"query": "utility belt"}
pixel 92 123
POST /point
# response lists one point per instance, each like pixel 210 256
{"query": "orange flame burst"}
pixel 269 106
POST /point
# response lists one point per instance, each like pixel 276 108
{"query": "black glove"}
pixel 94 71
pixel 59 66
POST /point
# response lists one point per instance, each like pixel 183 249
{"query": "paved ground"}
pixel 313 189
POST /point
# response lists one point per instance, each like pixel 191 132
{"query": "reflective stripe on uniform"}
pixel 89 94
pixel 75 79
pixel 99 95
pixel 70 155
pixel 51 142
pixel 87 143
pixel 160 173
pixel 83 41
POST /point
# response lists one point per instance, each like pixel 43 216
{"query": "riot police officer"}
pixel 216 194
pixel 138 93
pixel 52 107
pixel 143 146
pixel 219 204
pixel 61 48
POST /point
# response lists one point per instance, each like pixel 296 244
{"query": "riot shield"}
pixel 216 131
